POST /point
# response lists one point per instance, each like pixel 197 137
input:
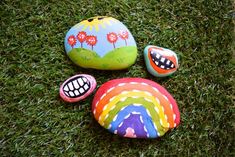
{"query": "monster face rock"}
pixel 160 61
pixel 77 87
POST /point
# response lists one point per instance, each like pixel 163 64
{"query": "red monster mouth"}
pixel 162 64
pixel 161 61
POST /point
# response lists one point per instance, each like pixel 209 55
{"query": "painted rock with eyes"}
pixel 135 108
pixel 77 87
pixel 160 61
pixel 101 43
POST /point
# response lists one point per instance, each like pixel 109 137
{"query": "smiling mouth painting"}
pixel 76 87
pixel 161 61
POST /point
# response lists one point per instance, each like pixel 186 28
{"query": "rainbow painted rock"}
pixel 77 87
pixel 160 61
pixel 135 108
pixel 101 43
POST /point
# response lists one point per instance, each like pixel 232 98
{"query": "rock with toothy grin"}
pixel 77 87
pixel 160 61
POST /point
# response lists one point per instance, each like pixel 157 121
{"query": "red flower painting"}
pixel 91 40
pixel 81 37
pixel 112 38
pixel 123 35
pixel 72 40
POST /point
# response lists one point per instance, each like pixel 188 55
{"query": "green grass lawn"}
pixel 34 121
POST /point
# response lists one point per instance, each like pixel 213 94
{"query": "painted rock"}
pixel 160 61
pixel 77 87
pixel 101 43
pixel 135 108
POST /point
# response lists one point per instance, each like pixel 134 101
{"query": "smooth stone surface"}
pixel 160 61
pixel 101 43
pixel 77 87
pixel 135 108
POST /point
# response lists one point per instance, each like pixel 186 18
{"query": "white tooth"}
pixel 172 65
pixel 80 81
pixel 151 52
pixel 158 56
pixel 167 68
pixel 84 79
pixel 168 62
pixel 70 86
pixel 162 59
pixel 66 88
pixel 71 93
pixel 86 87
pixel 66 93
pixel 75 83
pixel 153 59
pixel 156 63
pixel 76 92
pixel 81 90
pixel 162 66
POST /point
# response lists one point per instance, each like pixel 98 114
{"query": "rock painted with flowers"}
pixel 135 108
pixel 101 43
pixel 160 61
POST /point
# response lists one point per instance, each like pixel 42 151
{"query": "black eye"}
pixel 89 20
pixel 100 18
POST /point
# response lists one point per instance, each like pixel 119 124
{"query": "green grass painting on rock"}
pixel 119 58
pixel 36 122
